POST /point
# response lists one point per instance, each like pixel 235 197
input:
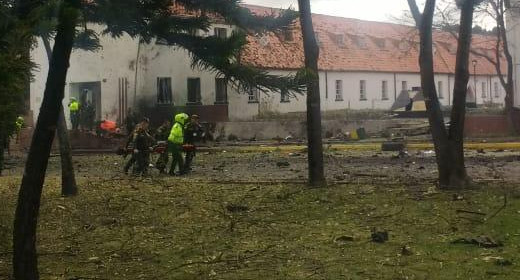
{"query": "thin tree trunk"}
pixel 435 117
pixel 449 145
pixel 25 260
pixel 311 49
pixel 68 179
pixel 2 144
pixel 458 176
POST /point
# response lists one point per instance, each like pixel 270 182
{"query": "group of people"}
pixel 167 139
pixel 82 116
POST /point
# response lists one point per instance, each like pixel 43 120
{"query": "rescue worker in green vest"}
pixel 19 125
pixel 175 141
pixel 74 113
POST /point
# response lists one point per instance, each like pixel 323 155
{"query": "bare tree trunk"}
pixel 315 145
pixel 68 179
pixel 25 260
pixel 458 176
pixel 449 145
pixel 2 144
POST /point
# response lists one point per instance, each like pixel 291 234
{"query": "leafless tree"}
pixel 448 142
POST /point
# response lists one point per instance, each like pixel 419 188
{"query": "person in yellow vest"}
pixel 19 125
pixel 74 113
pixel 175 141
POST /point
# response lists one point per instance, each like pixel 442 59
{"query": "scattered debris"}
pixel 406 251
pixel 481 241
pixel 283 164
pixel 470 212
pixel 235 208
pixel 481 151
pixel 379 236
pixel 503 262
pixel 401 154
pixel 392 146
pixel 458 197
pixel 344 239
pixel 233 137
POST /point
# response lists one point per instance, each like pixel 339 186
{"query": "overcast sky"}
pixel 376 10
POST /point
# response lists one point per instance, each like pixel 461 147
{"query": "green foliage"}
pixel 14 69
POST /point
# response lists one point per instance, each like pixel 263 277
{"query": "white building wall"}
pixel 115 60
pixel 119 59
pixel 513 28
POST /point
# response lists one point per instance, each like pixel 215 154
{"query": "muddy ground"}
pixel 245 213
pixel 289 164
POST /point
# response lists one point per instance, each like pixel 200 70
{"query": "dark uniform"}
pixel 162 136
pixel 89 115
pixel 193 134
pixel 139 144
pixel 143 142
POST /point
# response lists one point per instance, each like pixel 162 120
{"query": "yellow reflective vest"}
pixel 177 132
pixel 74 106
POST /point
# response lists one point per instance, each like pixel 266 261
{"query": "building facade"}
pixel 513 35
pixel 363 65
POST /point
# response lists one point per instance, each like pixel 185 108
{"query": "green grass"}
pixel 166 229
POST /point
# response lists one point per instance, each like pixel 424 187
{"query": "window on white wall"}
pixel 497 90
pixel 285 98
pixel 221 91
pixel 362 90
pixel 220 32
pixel 404 85
pixel 252 95
pixel 164 90
pixel 484 91
pixel 440 90
pixel 339 90
pixel 194 96
pixel 384 90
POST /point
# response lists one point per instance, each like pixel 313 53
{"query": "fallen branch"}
pixel 470 212
pixel 500 209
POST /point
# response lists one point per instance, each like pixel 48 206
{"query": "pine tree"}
pixel 14 72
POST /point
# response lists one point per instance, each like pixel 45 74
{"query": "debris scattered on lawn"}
pixel 503 262
pixel 344 239
pixel 406 251
pixel 392 146
pixel 379 236
pixel 458 197
pixel 236 208
pixel 283 164
pixel 481 241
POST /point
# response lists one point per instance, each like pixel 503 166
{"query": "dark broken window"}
pixel 220 32
pixel 221 91
pixel 164 90
pixel 194 96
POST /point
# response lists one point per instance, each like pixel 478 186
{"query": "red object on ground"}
pixel 188 147
pixel 108 126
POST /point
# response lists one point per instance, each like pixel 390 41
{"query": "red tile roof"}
pixel 357 45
